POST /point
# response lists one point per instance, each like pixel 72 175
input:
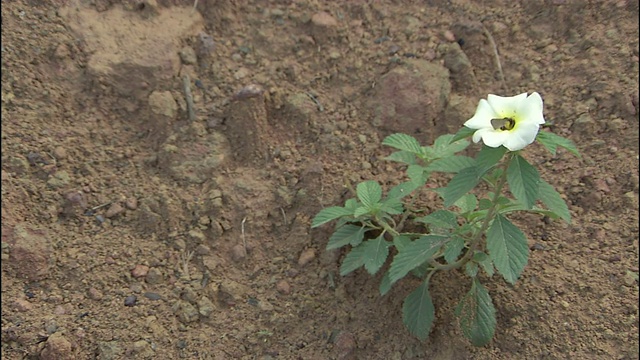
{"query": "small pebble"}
pixel 114 210
pixel 283 287
pixel 238 253
pixel 60 153
pixel 449 36
pixel 152 296
pixel 131 203
pixel 306 256
pixel 130 300
pixel 139 271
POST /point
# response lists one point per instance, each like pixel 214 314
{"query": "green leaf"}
pixel 477 315
pixel 401 190
pixel 371 253
pixel 403 142
pixel 461 184
pixel 551 141
pixel 369 193
pixel 331 213
pixel 404 157
pixel 417 174
pixel 385 284
pixel 488 157
pixel 376 252
pixel 363 210
pixel 451 164
pixel 467 203
pixel 485 261
pixel 441 219
pixel 392 206
pixel 414 254
pixel 553 201
pixel 524 181
pixel 452 249
pixel 347 234
pixel 463 133
pixel 418 312
pixel 471 269
pixel 508 248
pixel 443 147
pixel 401 242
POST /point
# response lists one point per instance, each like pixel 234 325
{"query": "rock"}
pixel 188 56
pixel 59 179
pixel 140 271
pixel 130 300
pixel 238 253
pixel 283 287
pixel 131 203
pixel 95 294
pixel 29 251
pixel 205 306
pixel 186 312
pixel 16 164
pixel 306 256
pixel 344 345
pixel 411 98
pixel 57 347
pixel 114 210
pixel 323 19
pixel 584 126
pixel 197 236
pixel 109 350
pixel 22 305
pixel 128 53
pixel 163 103
pixel 230 292
pixel 154 276
pixel 459 109
pixel 462 75
pixel 60 153
pixel 323 27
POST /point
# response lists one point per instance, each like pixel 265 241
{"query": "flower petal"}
pixel 521 136
pixel 482 118
pixel 530 110
pixel 493 138
pixel 506 107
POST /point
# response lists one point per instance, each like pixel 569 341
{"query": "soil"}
pixel 134 228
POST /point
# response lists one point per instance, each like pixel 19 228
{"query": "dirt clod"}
pixel 306 256
pixel 57 347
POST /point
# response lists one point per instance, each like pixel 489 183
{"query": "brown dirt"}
pixel 207 223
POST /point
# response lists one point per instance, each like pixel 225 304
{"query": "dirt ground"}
pixel 132 228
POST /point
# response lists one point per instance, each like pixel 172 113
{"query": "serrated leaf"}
pixel 414 254
pixel 477 315
pixel 467 203
pixel 385 284
pixel 376 252
pixel 401 190
pixel 471 269
pixel 392 206
pixel 461 184
pixel 551 141
pixel 403 142
pixel 417 174
pixel 508 248
pixel 328 214
pixel 351 205
pixel 451 164
pixel 344 235
pixel 369 193
pixel 463 133
pixel 404 157
pixel 452 249
pixel 488 157
pixel 401 242
pixel 353 260
pixel 418 312
pixel 523 181
pixel 362 210
pixel 443 147
pixel 553 201
pixel 440 218
pixel 485 261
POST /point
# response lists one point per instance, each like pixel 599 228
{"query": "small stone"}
pixel 186 312
pixel 565 304
pixel 241 73
pixel 62 52
pixel 22 305
pixel 306 256
pixel 95 294
pixel 188 56
pixel 140 271
pixel 114 210
pixel 59 179
pixel 203 250
pixel 131 203
pixel 60 153
pixel 264 305
pixel 152 296
pixel 130 300
pixel 205 306
pixel 197 235
pixel 324 19
pixel 154 276
pixel 57 347
pixel 344 344
pixel 449 36
pixel 283 287
pixel 238 253
pixel 163 103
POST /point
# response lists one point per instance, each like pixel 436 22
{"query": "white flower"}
pixel 510 121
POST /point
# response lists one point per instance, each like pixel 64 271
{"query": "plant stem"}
pixel 491 213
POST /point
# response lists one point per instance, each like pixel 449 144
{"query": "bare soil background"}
pixel 129 231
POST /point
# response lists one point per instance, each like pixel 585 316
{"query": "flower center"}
pixel 504 124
